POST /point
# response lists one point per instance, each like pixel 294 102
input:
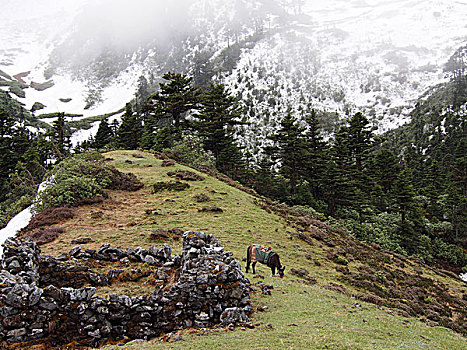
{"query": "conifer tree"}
pixel 457 193
pixel 384 171
pixel 60 136
pixel 218 116
pixel 339 187
pixel 142 93
pixel 316 154
pixel 129 132
pixel 176 97
pixel 355 142
pixel 104 134
pixel 404 194
pixel 291 153
pixel 7 154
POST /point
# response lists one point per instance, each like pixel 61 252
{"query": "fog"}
pixel 123 23
pixel 121 26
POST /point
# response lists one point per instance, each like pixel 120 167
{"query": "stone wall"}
pixel 43 299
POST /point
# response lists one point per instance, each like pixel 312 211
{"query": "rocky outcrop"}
pixel 41 301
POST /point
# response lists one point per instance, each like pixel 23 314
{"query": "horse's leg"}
pixel 247 259
pixel 273 270
pixel 253 266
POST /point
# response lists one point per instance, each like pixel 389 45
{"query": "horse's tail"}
pixel 248 254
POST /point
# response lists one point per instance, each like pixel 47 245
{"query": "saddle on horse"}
pixel 260 253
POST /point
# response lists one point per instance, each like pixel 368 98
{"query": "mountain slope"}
pixel 338 56
pixel 300 311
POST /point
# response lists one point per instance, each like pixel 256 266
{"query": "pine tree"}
pixel 291 153
pixel 60 136
pixel 7 123
pixel 404 194
pixel 176 98
pixel 218 116
pixel 433 189
pixel 8 157
pixel 457 192
pixel 359 140
pixel 338 186
pixel 316 154
pixel 104 135
pixel 384 171
pixel 129 132
pixel 142 93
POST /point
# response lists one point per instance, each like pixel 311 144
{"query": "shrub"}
pixel 449 252
pixel 69 191
pixel 190 151
pixel 51 216
pixel 80 179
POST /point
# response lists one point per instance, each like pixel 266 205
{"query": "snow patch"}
pixel 22 219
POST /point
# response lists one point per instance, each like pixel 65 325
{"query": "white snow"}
pixel 463 277
pixel 374 56
pixel 21 220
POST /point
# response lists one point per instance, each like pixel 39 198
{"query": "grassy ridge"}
pixel 302 316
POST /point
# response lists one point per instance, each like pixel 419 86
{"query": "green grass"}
pixel 302 316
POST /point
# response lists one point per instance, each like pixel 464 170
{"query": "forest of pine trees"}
pixel 398 196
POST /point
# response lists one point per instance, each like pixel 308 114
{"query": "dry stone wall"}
pixel 48 300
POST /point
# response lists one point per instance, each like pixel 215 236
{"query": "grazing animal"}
pixel 266 256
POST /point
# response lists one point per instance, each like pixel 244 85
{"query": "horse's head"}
pixel 281 271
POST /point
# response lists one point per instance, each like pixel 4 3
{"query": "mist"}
pixel 122 23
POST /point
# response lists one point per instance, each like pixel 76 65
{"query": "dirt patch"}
pixel 159 234
pixel 213 209
pixel 201 198
pixel 304 274
pixel 185 175
pixel 170 186
pixel 167 163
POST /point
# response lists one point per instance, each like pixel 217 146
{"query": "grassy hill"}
pixel 325 310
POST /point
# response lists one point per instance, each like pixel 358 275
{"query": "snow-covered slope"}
pixel 278 56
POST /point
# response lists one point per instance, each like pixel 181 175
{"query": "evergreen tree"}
pixel 104 135
pixel 384 170
pixel 142 93
pixel 129 132
pixel 7 123
pixel 175 98
pixel 156 130
pixel 360 141
pixel 60 136
pixel 354 143
pixel 433 190
pixel 291 153
pixel 218 116
pixel 316 154
pixel 338 185
pixel 8 157
pixel 404 194
pixel 457 193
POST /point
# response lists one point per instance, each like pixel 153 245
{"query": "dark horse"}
pixel 256 252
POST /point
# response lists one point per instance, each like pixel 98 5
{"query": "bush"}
pixel 191 152
pixel 84 177
pixel 449 252
pixel 69 191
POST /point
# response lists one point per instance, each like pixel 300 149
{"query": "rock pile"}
pixel 38 306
